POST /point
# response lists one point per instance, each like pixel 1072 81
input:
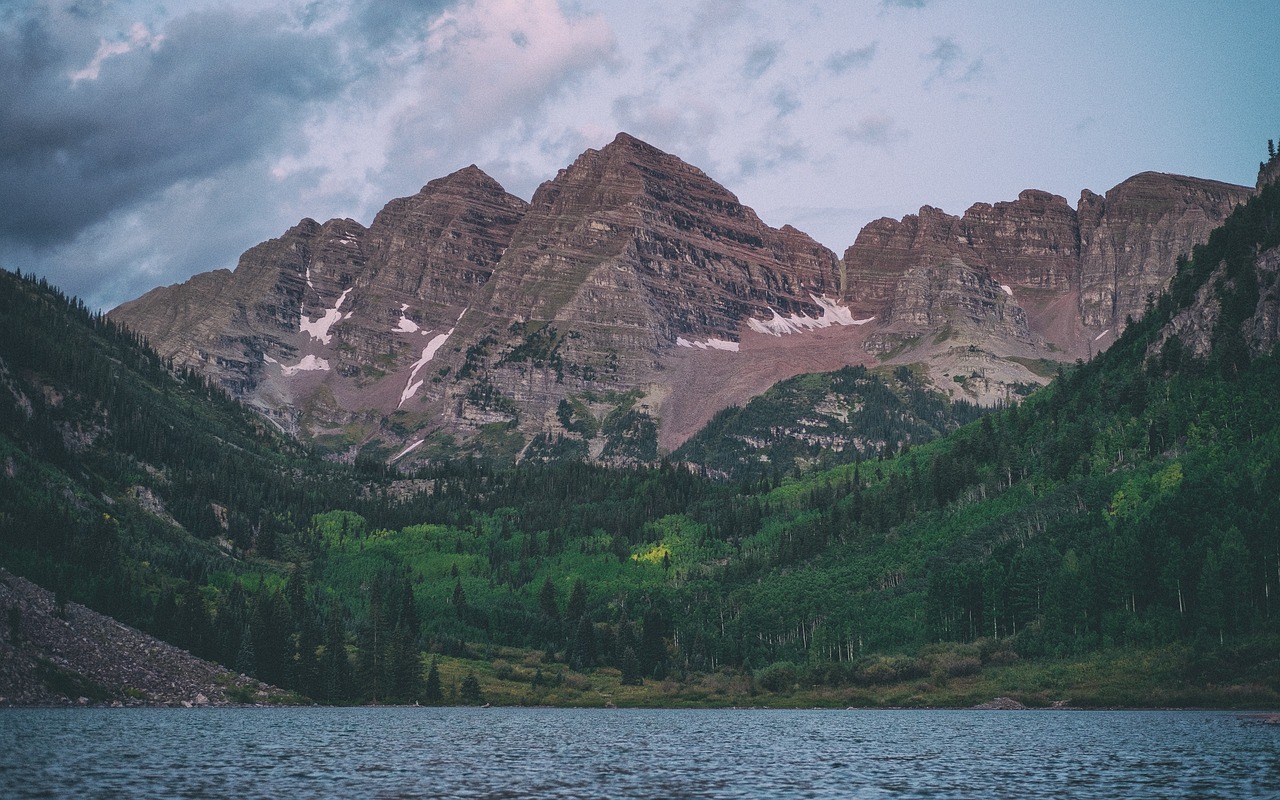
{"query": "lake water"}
pixel 506 753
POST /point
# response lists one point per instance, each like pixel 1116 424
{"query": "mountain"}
pixel 980 295
pixel 1109 541
pixel 634 297
pixel 135 489
pixel 308 324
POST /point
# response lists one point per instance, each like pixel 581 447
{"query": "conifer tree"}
pixel 577 607
pixel 432 692
pixel 547 600
pixel 470 692
pixel 630 668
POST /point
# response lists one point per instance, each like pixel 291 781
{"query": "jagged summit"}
pixel 634 296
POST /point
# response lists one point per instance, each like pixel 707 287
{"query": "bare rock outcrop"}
pixel 1001 704
pixel 1030 243
pixel 1111 254
pixel 1131 239
pixel 886 249
pixel 1196 325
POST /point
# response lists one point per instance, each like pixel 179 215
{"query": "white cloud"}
pixel 139 36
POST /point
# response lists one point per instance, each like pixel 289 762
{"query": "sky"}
pixel 144 142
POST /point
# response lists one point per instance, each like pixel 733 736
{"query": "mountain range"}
pixel 634 297
pixel 1108 541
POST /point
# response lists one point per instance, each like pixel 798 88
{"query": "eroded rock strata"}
pixel 634 296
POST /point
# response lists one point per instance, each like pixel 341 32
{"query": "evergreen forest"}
pixel 1113 539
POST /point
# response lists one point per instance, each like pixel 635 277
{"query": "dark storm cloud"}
pixel 209 91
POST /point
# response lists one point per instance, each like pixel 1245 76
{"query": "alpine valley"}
pixel 634 297
pixel 626 444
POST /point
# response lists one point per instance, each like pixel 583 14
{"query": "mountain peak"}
pixel 468 178
pixel 624 139
pixel 634 274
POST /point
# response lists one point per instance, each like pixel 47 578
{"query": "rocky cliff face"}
pixel 307 324
pixel 1077 274
pixel 1196 326
pixel 624 257
pixel 634 296
pixel 1130 240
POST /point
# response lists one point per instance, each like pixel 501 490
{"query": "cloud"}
pixel 875 130
pixel 760 58
pixel 784 101
pixel 382 22
pixel 774 149
pixel 680 123
pixel 138 37
pixel 851 59
pixel 905 3
pixel 87 136
pixel 951 62
pixel 475 87
pixel 116 126
pixel 945 54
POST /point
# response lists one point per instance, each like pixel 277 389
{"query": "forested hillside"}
pixel 821 420
pixel 1121 526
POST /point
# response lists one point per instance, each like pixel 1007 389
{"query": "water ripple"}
pixel 516 753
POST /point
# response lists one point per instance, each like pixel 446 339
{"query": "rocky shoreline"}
pixel 72 656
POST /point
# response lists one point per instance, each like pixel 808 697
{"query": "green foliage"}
pixel 818 421
pixel 1132 507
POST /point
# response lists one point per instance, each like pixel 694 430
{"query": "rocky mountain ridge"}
pixel 633 297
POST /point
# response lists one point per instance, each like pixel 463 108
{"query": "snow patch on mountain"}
pixel 710 344
pixel 318 328
pixel 832 314
pixel 307 364
pixel 429 352
pixel 405 325
pixel 407 450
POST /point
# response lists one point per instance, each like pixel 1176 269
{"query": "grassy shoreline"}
pixel 1115 679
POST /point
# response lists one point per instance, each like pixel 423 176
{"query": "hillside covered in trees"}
pixel 1114 539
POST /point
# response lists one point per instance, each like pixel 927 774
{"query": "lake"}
pixel 510 752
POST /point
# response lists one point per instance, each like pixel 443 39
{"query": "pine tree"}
pixel 335 665
pixel 433 693
pixel 582 655
pixel 547 600
pixel 577 607
pixel 471 693
pixel 246 663
pixel 630 667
